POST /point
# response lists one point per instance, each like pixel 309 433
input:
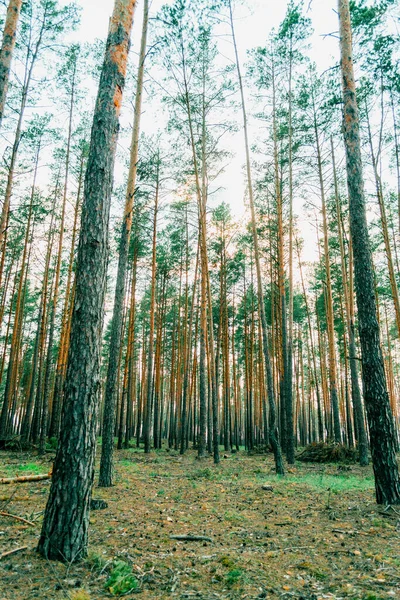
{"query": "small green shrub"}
pixel 121 580
pixel 206 473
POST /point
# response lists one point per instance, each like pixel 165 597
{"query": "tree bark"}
pixel 273 430
pixel 380 420
pixel 64 534
pixel 106 463
pixel 7 49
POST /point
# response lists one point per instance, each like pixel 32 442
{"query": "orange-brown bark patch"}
pixel 118 98
pixel 119 55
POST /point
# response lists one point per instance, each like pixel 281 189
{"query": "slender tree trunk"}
pixel 53 308
pixel 349 304
pixel 273 432
pixel 290 445
pixel 106 463
pixel 333 387
pixel 314 359
pixel 150 351
pixel 385 231
pixel 65 321
pixel 19 307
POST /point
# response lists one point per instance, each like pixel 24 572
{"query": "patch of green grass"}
pixel 29 468
pixel 336 483
pixel 233 577
pixel 206 473
pixel 379 523
pixel 121 580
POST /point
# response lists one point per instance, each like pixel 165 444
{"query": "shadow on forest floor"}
pixel 316 534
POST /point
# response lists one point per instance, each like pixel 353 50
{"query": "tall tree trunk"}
pixel 7 49
pixel 19 307
pixel 380 419
pixel 290 444
pixel 64 532
pixel 349 305
pixel 333 387
pixel 106 463
pixel 65 320
pixel 273 432
pixel 150 359
pixel 54 300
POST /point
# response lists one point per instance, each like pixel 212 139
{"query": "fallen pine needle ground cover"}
pixel 178 527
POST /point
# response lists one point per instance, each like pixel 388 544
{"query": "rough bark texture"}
pixel 7 49
pixel 106 464
pixel 64 534
pixel 380 421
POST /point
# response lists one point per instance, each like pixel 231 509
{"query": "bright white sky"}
pixel 254 19
pixel 253 24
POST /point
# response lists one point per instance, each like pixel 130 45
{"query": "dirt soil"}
pixel 314 534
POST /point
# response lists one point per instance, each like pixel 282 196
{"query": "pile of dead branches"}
pixel 328 452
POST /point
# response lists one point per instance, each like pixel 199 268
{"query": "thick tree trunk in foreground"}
pixel 380 420
pixel 7 49
pixel 64 533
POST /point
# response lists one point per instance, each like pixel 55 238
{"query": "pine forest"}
pixel 199 299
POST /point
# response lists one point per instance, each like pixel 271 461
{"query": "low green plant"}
pixel 206 473
pixel 121 579
pixel 233 577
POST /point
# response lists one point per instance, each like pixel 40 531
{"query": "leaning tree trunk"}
pixel 7 49
pixel 379 415
pixel 64 534
pixel 106 464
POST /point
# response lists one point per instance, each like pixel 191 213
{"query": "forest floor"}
pixel 316 534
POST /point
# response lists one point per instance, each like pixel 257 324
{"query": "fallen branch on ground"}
pixel 191 538
pixel 4 514
pixel 5 554
pixel 25 478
